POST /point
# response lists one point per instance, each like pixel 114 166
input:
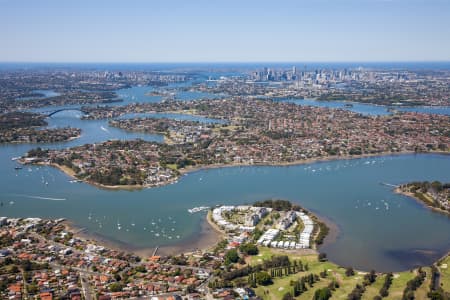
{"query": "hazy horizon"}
pixel 232 31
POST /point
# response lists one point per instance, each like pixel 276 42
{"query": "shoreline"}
pixel 333 230
pixel 144 253
pixel 189 169
pixel 44 142
pixel 206 238
pixel 410 195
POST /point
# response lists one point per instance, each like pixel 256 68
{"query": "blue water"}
pixel 45 94
pixel 369 109
pixel 348 192
pixel 377 228
pixel 439 110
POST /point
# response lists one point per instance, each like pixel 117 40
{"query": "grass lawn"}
pixel 374 289
pixel 424 288
pixel 172 166
pixel 346 284
pixel 399 283
pixel 282 285
pixel 264 253
pixel 444 268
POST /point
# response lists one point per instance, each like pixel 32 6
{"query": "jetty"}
pixel 389 184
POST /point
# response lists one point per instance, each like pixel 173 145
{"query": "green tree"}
pixel 349 272
pixel 249 249
pixel 263 278
pixel 231 257
pixel 322 294
pixel 115 287
pixel 322 257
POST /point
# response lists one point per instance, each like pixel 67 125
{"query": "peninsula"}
pixel 255 132
pixel 23 127
pixel 435 195
pixel 265 254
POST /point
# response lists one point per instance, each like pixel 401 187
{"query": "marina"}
pixel 161 215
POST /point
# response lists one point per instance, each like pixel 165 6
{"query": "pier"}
pixel 156 250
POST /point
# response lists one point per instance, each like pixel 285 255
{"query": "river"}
pixel 377 228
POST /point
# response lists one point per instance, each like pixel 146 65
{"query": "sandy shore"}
pixel 333 231
pixel 206 238
pixel 294 163
pixel 97 239
pixel 189 169
pixel 68 171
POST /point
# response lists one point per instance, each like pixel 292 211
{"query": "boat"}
pixel 17 168
pixel 348 105
pixel 16 158
pixel 197 209
pixel 389 184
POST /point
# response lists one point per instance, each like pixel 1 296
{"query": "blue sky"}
pixel 227 30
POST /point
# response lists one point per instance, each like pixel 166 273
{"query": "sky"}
pixel 224 30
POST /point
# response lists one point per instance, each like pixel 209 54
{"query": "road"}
pixel 85 286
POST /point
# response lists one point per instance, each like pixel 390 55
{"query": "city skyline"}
pixel 157 31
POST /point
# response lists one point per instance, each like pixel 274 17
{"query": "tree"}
pixel 370 278
pixel 33 288
pixel 322 294
pixel 115 287
pixel 263 278
pixel 141 269
pixel 322 257
pixel 190 289
pixel 349 272
pixel 231 257
pixel 249 249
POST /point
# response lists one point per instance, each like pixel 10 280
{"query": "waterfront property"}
pixel 278 229
pixel 348 192
pixel 258 132
pixel 47 259
pixel 433 194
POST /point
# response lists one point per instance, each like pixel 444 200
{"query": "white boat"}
pixel 197 209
